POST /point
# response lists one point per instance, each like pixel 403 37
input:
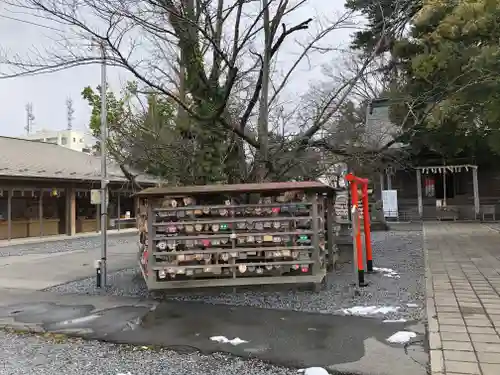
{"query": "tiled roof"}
pixel 379 129
pixel 32 159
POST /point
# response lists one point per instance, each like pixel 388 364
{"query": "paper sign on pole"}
pixel 95 196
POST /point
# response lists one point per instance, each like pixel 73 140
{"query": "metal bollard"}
pixel 97 266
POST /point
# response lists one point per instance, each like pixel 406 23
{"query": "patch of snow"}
pixel 401 337
pixel 384 270
pixel 237 341
pixel 225 340
pixel 412 305
pixel 313 371
pixel 388 272
pixel 392 275
pixel 370 310
pixel 394 321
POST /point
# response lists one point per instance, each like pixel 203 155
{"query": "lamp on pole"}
pixel 104 172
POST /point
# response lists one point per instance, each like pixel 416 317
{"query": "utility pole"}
pixel 104 173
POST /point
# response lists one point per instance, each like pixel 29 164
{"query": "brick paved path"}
pixel 463 298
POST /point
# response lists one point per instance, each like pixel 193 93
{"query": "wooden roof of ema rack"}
pixel 308 186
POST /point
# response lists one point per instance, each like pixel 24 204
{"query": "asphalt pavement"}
pixel 38 266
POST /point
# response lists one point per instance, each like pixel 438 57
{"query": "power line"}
pixel 29 23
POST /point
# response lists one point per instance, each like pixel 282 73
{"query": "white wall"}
pixel 72 139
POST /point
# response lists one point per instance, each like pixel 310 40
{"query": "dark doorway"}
pixel 450 185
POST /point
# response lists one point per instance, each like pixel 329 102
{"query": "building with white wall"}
pixel 72 139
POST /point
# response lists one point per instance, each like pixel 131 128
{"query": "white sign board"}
pixel 342 207
pixel 390 203
pixel 95 196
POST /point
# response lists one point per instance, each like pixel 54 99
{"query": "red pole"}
pixel 366 223
pixel 359 249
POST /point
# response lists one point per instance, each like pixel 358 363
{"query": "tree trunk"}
pixel 263 128
pixel 181 112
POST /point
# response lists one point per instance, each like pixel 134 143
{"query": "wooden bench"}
pixel 447 213
pixel 488 210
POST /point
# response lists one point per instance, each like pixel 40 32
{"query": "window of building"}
pixel 74 140
pixel 81 140
pixel 64 141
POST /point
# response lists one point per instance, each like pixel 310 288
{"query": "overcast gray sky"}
pixel 48 93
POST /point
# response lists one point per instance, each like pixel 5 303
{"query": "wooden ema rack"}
pixel 234 235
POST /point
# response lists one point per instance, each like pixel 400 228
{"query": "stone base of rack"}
pixel 314 280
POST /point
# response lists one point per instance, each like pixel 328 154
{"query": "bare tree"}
pixel 208 58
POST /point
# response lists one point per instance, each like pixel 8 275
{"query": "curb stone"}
pixel 436 359
pixel 22 328
pixel 83 236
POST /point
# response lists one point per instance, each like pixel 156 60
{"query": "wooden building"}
pixel 45 190
pixel 431 185
pixel 447 191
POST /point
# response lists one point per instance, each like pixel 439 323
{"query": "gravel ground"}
pixel 26 354
pixel 399 250
pixel 66 245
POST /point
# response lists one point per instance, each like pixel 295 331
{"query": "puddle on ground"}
pixel 279 336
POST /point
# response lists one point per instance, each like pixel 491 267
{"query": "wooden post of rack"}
pixel 315 235
pixel 233 242
pixel 329 235
pixel 151 241
pixel 321 228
